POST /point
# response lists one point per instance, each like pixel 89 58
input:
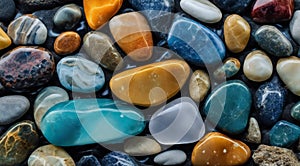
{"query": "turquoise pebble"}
pixel 295 112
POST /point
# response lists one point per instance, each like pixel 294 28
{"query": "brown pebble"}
pixel 67 43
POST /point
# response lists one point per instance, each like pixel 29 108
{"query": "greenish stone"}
pixel 295 112
pixel 88 121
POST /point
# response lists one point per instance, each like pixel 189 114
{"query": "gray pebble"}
pixel 172 157
pixel 67 17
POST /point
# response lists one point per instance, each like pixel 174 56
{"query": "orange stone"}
pixel 67 43
pixel 5 41
pixel 218 149
pixel 133 34
pixel 151 84
pixel 98 12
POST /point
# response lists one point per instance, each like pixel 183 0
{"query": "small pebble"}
pixel 67 43
pixel 7 10
pixel 141 146
pixel 199 85
pixel 67 17
pixel 118 159
pixel 295 112
pixel 5 40
pixel 294 24
pixel 89 160
pixel 230 67
pixel 253 134
pixel 171 157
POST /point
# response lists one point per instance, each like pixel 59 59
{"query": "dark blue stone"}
pixel 232 6
pixel 195 43
pixel 90 160
pixel 269 102
pixel 118 159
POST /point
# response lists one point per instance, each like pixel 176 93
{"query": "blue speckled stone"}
pixel 284 134
pixel 232 6
pixel 118 159
pixel 195 43
pixel 87 121
pixel 269 102
pixel 228 106
pixel 90 160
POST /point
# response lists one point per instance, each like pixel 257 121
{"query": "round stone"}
pixel 5 40
pixel 67 17
pixel 295 112
pixel 171 157
pixel 7 10
pixel 253 134
pixel 199 85
pixel 230 67
pixel 67 43
pixel 294 24
pixel 89 160
pixel 141 146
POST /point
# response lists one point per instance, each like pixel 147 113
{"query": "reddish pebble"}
pixel 67 43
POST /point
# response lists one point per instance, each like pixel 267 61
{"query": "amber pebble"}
pixel 150 84
pixel 5 41
pixel 218 149
pixel 67 43
pixel 133 35
pixel 236 33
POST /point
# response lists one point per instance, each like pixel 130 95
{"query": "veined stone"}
pixel 199 85
pixel 5 40
pixel 118 159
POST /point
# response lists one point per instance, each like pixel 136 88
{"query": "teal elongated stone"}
pixel 87 121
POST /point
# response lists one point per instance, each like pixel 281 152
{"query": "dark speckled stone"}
pixel 232 6
pixel 90 160
pixel 118 159
pixel 7 10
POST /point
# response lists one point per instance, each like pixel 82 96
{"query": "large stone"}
pixel 171 157
pixel 5 40
pixel 118 159
pixel 199 85
pixel 67 17
pixel 233 6
pixel 67 43
pixel 141 146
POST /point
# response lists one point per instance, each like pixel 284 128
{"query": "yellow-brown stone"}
pixel 5 41
pixel 98 12
pixel 133 34
pixel 67 43
pixel 151 84
pixel 218 149
pixel 236 33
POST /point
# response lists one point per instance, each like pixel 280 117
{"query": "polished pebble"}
pixel 5 40
pixel 199 85
pixel 171 157
pixel 233 6
pixel 141 146
pixel 229 68
pixel 7 10
pixel 67 43
pixel 89 160
pixel 294 24
pixel 253 133
pixel 118 159
pixel 295 112
pixel 67 17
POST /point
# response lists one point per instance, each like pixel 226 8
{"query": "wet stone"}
pixel 294 24
pixel 117 159
pixel 67 43
pixel 232 6
pixel 141 146
pixel 5 40
pixel 67 17
pixel 7 10
pixel 253 134
pixel 295 112
pixel 171 157
pixel 230 67
pixel 199 85
pixel 89 160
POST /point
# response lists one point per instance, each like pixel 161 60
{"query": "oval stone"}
pixel 294 24
pixel 5 40
pixel 80 75
pixel 151 84
pixel 218 149
pixel 67 17
pixel 50 155
pixel 141 146
pixel 230 67
pixel 171 157
pixel 88 121
pixel 118 159
pixel 199 85
pixel 67 43
pixel 295 112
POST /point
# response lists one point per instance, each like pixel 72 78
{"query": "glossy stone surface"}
pixel 295 112
pixel 67 17
pixel 232 6
pixel 253 133
pixel 230 67
pixel 151 84
pixel 199 85
pixel 89 160
pixel 141 146
pixel 47 98
pixel 218 149
pixel 87 121
pixel 5 40
pixel 206 48
pixel 203 10
pixel 7 10
pixel 228 106
pixel 50 155
pixel 67 43
pixel 24 68
pixel 80 75
pixel 236 33
pixel 17 143
pixel 99 48
pixel 12 108
pixel 171 157
pixel 178 122
pixel 27 30
pixel 99 12
pixel 133 34
pixel 270 39
pixel 272 11
pixel 118 159
pixel 294 24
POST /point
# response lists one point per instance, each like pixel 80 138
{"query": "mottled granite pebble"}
pixel 199 85
pixel 118 159
pixel 67 17
pixel 170 157
pixel 253 134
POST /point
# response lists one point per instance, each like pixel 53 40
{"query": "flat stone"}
pixel 228 106
pixel 88 121
pixel 171 157
pixel 80 75
pixel 93 9
pixel 5 40
pixel 151 84
pixel 47 98
pixel 203 10
pixel 294 23
pixel 233 6
pixel 133 34
pixel 178 122
pixel 99 48
pixel 17 143
pixel 268 37
pixel 236 33
pixel 206 48
pixel 7 10
pixel 230 67
pixel 12 108
pixel 67 43
pixel 253 134
pixel 67 17
pixel 218 149
pixel 295 112
pixel 27 30
pixel 199 85
pixel 50 155
pixel 141 146
pixel 118 159
pixel 272 155
pixel 89 160
pixel 28 6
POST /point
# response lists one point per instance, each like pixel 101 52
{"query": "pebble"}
pixel 294 23
pixel 253 134
pixel 93 9
pixel 99 48
pixel 89 160
pixel 151 84
pixel 233 6
pixel 205 48
pixel 47 98
pixel 258 66
pixel 272 155
pixel 12 108
pixel 228 106
pixel 178 122
pixel 288 69
pixel 80 75
pixel 272 11
pixel 25 68
pixel 5 40
pixel 284 134
pixel 141 146
pixel 218 149
pixel 50 155
pixel 27 30
pixel 203 10
pixel 230 67
pixel 67 17
pixel 88 121
pixel 236 33
pixel 7 10
pixel 28 6
pixel 67 43
pixel 295 112
pixel 133 34
pixel 17 143
pixel 171 157
pixel 199 85
pixel 118 159
pixel 270 39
